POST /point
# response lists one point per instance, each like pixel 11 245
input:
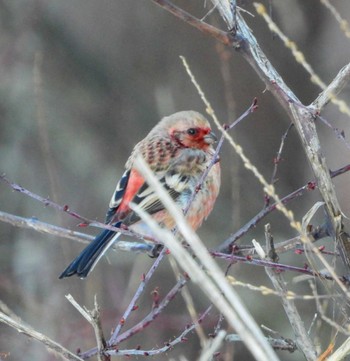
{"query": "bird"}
pixel 178 150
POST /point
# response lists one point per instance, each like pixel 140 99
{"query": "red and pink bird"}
pixel 178 150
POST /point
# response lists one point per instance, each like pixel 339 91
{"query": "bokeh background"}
pixel 81 82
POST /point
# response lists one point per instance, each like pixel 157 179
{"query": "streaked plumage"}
pixel 178 150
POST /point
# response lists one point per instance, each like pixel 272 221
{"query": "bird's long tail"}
pixel 88 258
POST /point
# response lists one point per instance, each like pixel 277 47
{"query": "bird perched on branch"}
pixel 178 150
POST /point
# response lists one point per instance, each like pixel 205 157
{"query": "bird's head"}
pixel 189 129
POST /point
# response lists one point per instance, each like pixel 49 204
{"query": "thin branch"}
pixel 93 317
pixel 316 234
pixel 142 324
pixel 187 297
pixel 205 28
pixel 168 346
pixel 278 266
pixel 283 344
pixel 46 228
pixel 9 312
pixel 333 89
pixel 340 134
pixel 86 222
pixel 304 123
pixel 302 338
pixel 153 314
pixel 278 157
pixel 135 298
pixel 97 326
pixel 211 348
pixel 50 344
pixel 46 201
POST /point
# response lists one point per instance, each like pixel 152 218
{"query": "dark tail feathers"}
pixel 88 258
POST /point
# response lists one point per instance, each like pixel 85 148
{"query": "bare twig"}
pixel 278 266
pixel 212 347
pixel 190 305
pixel 45 201
pixel 200 25
pixel 46 228
pixel 340 134
pixel 9 312
pixel 278 157
pixel 153 314
pixel 277 343
pixel 168 346
pixel 302 338
pixel 334 88
pixel 66 209
pixel 100 338
pixel 137 294
pixel 304 123
pixel 93 317
pixel 49 344
pixel 143 323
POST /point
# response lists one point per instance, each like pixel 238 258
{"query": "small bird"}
pixel 178 150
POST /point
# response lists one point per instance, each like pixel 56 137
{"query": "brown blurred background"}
pixel 81 82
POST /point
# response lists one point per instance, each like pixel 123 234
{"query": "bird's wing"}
pixel 133 188
pixel 117 196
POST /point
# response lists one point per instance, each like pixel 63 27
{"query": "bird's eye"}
pixel 192 131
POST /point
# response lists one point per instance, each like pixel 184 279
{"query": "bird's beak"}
pixel 210 138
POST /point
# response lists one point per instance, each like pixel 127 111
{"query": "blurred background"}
pixel 81 82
